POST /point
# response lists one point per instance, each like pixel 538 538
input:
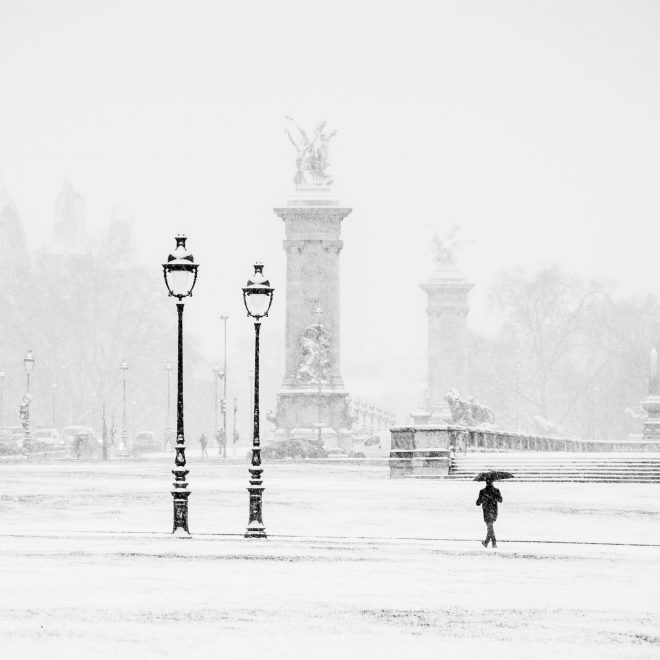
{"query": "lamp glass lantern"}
pixel 258 294
pixel 180 271
pixel 28 361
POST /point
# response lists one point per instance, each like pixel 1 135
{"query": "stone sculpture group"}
pixel 314 366
pixel 312 155
pixel 468 412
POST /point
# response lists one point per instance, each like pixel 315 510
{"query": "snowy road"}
pixel 88 569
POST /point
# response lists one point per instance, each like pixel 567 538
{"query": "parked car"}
pixel 146 441
pixel 8 444
pixel 369 447
pixel 80 440
pixel 44 439
pixel 17 433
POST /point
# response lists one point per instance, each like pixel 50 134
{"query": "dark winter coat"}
pixel 488 498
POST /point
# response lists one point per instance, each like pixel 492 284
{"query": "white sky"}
pixel 534 125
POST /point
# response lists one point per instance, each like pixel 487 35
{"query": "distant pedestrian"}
pixel 203 441
pixel 488 499
pixel 78 445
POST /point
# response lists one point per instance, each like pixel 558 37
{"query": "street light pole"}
pixel 257 296
pixel 93 395
pixel 54 402
pixel 217 373
pixel 180 273
pixel 123 445
pixel 180 493
pixel 235 431
pixel 224 394
pixel 28 363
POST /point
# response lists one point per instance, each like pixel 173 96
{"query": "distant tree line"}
pixel 82 314
pixel 567 354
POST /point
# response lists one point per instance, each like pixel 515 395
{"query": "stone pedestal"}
pixel 652 402
pixel 652 422
pixel 310 398
pixel 447 309
pixel 420 451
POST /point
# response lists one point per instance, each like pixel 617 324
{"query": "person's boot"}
pixel 484 543
pixel 494 544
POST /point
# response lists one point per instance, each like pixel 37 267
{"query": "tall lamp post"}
pixel 54 402
pixel 28 363
pixel 257 296
pixel 180 273
pixel 235 431
pixel 224 392
pixel 93 395
pixel 168 430
pixel 123 445
pixel 217 373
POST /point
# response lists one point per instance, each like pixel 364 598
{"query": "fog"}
pixel 533 126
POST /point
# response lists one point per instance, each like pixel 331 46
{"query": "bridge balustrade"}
pixel 465 438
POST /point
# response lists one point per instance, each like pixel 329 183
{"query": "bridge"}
pixel 459 452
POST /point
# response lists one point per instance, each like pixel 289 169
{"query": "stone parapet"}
pixel 428 450
pixel 419 450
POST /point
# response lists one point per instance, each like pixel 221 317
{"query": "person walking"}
pixel 488 499
pixel 203 441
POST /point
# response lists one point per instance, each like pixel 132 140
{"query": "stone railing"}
pixel 474 439
pixel 427 450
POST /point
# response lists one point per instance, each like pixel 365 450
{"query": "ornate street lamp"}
pixel 257 296
pixel 28 363
pixel 123 445
pixel 180 273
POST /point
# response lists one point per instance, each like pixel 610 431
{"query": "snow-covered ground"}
pixel 357 565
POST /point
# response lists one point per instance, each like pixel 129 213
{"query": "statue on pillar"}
pixel 312 155
pixel 446 247
pixel 468 412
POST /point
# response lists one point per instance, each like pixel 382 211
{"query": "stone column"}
pixel 312 221
pixel 447 309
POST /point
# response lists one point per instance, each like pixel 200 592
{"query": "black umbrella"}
pixel 493 475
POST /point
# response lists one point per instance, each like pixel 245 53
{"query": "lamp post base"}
pixel 255 534
pixel 256 528
pixel 180 510
pixel 123 451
